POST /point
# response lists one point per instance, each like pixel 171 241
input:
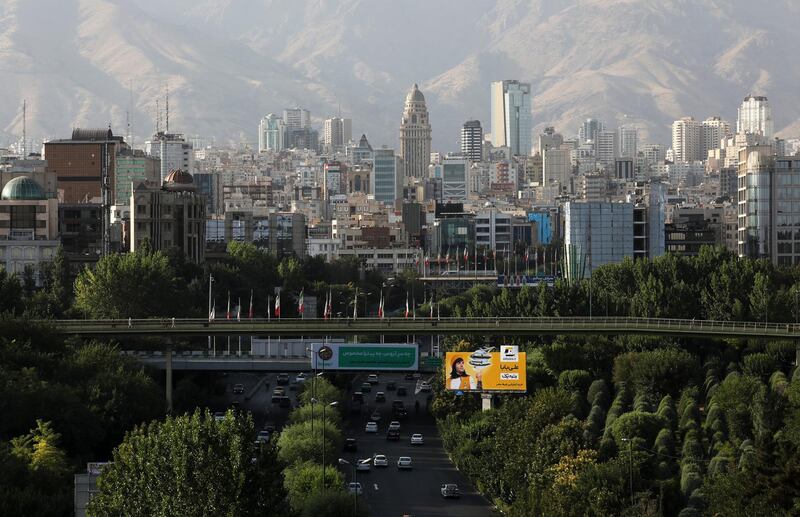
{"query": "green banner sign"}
pixel 369 356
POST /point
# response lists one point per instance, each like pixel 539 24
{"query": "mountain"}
pixel 229 62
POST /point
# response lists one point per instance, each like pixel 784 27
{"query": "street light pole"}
pixel 332 404
pixel 343 461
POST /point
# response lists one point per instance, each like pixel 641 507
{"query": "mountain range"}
pixel 226 63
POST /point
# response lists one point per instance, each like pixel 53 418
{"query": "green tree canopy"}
pixel 190 465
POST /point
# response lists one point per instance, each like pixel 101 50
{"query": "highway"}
pixel 391 492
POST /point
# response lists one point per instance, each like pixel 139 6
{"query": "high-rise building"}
pixel 512 121
pixel 169 216
pixel 472 140
pixel 134 167
pixel 589 129
pixel 173 150
pixel 387 176
pixel 627 141
pixel 768 206
pixel 287 234
pixel 755 117
pixel 549 139
pixel 596 234
pixel 686 140
pixel 713 131
pixel 415 135
pixel 271 133
pixel 80 163
pixel 557 166
pixel 336 132
pixel 455 178
pixel 606 148
pixel 296 118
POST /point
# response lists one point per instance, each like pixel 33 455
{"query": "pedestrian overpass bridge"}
pixel 419 326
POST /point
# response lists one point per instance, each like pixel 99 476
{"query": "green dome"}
pixel 22 188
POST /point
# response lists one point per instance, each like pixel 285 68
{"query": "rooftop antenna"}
pixel 24 128
pixel 129 116
pixel 167 100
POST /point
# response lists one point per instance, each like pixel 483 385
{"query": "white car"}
pixel 376 416
pixel 354 488
pixel 363 465
pixel 263 436
pixel 371 427
pixel 394 425
pixel 416 439
pixel 425 386
pixel 380 460
pixel 372 378
pixel 404 462
pixel 301 377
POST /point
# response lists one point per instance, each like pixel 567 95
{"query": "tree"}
pixel 303 480
pixel 333 503
pixel 10 293
pixel 138 285
pixel 297 444
pixel 320 389
pixel 189 465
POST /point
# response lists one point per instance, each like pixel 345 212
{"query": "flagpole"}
pixel 239 318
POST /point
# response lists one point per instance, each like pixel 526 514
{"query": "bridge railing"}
pixel 372 323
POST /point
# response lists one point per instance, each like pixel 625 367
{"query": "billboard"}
pixel 365 356
pixel 486 370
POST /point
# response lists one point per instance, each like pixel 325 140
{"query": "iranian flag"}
pixel 380 307
pixel 239 311
pixel 407 311
pixel 228 312
pixel 278 306
pixel 301 306
pixel 427 261
pixel 250 313
pixel 466 254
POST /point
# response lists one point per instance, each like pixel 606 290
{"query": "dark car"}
pixel 358 396
pixel 393 435
pixel 350 445
pixel 366 387
pixel 238 389
pixel 391 386
pixel 409 376
pixel 285 402
pixel 401 391
pixel 283 378
pixel 380 397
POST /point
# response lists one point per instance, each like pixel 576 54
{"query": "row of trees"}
pixel 310 447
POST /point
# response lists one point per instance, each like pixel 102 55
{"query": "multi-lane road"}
pixel 387 491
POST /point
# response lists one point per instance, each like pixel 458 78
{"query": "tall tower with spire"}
pixel 415 135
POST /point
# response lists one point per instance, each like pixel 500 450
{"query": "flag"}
pixel 326 306
pixel 330 304
pixel 427 260
pixel 250 313
pixel 300 305
pixel 527 256
pixel 269 307
pixel 447 256
pixel 413 309
pixel 466 254
pixel 228 313
pixel 213 315
pixel 431 308
pixel 278 305
pixel 380 307
pixel 239 311
pixel 355 304
pixel 407 311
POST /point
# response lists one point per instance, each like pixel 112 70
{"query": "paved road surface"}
pixel 391 492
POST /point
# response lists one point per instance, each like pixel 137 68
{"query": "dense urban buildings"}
pixel 415 135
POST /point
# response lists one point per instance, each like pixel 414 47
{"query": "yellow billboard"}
pixel 486 370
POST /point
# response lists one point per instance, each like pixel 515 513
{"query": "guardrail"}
pixel 426 326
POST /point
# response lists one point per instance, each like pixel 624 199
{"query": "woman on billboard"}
pixel 460 380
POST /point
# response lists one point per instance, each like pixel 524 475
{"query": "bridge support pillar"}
pixel 168 360
pixel 487 401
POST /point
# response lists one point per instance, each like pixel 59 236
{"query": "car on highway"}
pixel 450 490
pixel 380 460
pixel 269 427
pixel 371 427
pixel 263 436
pixel 416 439
pixel 409 377
pixel 301 377
pixel 358 396
pixel 404 462
pixel 238 389
pixel 354 488
pixel 391 386
pixel 380 397
pixel 363 465
pixel 350 445
pixel 219 415
pixel 375 416
pixel 372 378
pixel 425 387
pixel 402 391
pixel 393 435
pixel 366 387
pixel 283 378
pixel 285 402
pixel 278 392
pixel 394 425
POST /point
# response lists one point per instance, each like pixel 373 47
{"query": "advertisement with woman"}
pixel 486 370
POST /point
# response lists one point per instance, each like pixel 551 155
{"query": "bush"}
pixel 665 443
pixel 666 409
pixel 637 424
pixel 303 480
pixel 575 380
pixel 760 365
pixel 598 388
pixel 660 371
